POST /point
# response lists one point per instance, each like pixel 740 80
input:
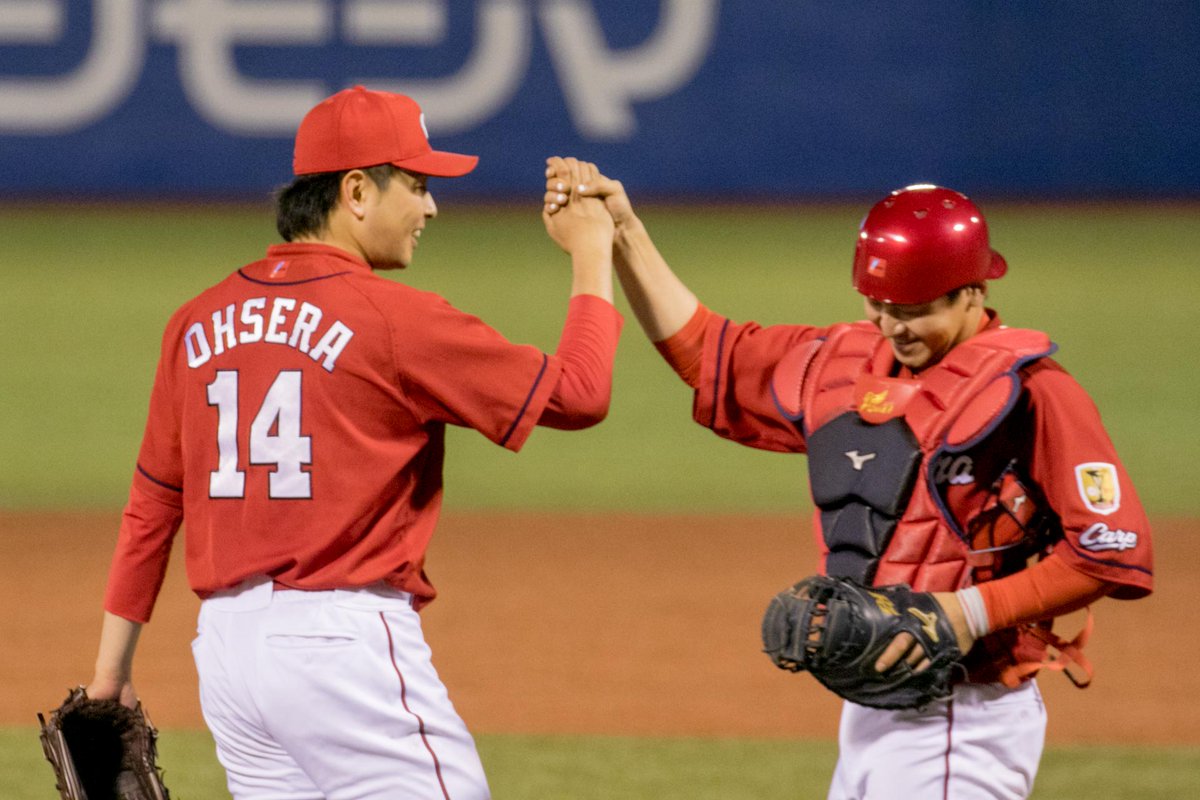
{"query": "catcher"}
pixel 101 749
pixel 966 492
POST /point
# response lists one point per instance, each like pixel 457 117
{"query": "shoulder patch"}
pixel 1098 486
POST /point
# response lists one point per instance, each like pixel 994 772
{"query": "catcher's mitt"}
pixel 837 629
pixel 101 750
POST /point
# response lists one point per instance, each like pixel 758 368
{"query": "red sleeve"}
pixel 1048 589
pixel 155 508
pixel 139 564
pixel 456 369
pixel 1107 533
pixel 734 397
pixel 587 349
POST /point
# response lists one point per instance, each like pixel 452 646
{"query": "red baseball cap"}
pixel 358 128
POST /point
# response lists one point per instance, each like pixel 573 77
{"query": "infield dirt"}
pixel 592 624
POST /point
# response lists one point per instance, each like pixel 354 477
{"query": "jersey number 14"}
pixel 275 439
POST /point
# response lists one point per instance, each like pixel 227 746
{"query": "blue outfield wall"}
pixel 694 99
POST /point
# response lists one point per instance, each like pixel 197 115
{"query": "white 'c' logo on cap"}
pixel 424 130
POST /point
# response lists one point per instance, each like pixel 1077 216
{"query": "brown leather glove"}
pixel 100 749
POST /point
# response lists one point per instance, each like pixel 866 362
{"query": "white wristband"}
pixel 974 610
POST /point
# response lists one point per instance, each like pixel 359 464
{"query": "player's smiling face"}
pixel 921 334
pixel 401 210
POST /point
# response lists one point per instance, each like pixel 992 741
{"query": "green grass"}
pixel 87 291
pixel 583 768
pixel 1128 773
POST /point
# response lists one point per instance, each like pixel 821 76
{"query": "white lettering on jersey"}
pixel 223 338
pixel 1101 537
pixel 306 324
pixel 274 334
pixel 331 345
pixel 254 321
pixel 255 324
pixel 198 351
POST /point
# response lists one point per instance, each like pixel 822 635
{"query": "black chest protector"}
pixel 870 440
pixel 861 476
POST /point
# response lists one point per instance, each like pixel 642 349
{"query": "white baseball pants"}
pixel 315 695
pixel 984 743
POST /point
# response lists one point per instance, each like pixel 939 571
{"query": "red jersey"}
pixel 1053 438
pixel 297 423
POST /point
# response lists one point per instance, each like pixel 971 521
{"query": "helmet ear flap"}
pixel 921 242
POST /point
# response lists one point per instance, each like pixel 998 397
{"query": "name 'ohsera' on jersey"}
pixel 253 324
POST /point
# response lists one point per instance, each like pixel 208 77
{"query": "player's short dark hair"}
pixel 953 294
pixel 303 206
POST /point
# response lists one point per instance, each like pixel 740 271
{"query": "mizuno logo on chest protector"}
pixel 858 459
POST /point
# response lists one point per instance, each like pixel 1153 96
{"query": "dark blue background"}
pixel 795 100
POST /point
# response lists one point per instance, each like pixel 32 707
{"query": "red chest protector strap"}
pixel 950 408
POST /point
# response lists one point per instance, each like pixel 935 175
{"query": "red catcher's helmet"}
pixel 921 242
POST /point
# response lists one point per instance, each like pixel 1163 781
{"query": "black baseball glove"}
pixel 102 750
pixel 837 629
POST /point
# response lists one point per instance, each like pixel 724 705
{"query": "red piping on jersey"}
pixel 949 746
pixel 528 399
pixel 437 765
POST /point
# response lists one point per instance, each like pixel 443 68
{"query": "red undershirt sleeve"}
pixel 683 349
pixel 1050 588
pixel 587 349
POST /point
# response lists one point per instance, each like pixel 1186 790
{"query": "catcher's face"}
pixel 921 334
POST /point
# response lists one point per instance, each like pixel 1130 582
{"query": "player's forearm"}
pixel 1048 589
pixel 591 271
pixel 661 302
pixel 118 641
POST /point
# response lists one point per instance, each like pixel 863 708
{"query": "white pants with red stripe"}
pixel 313 695
pixel 984 743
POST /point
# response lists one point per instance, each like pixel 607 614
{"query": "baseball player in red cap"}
pixel 945 451
pixel 297 425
